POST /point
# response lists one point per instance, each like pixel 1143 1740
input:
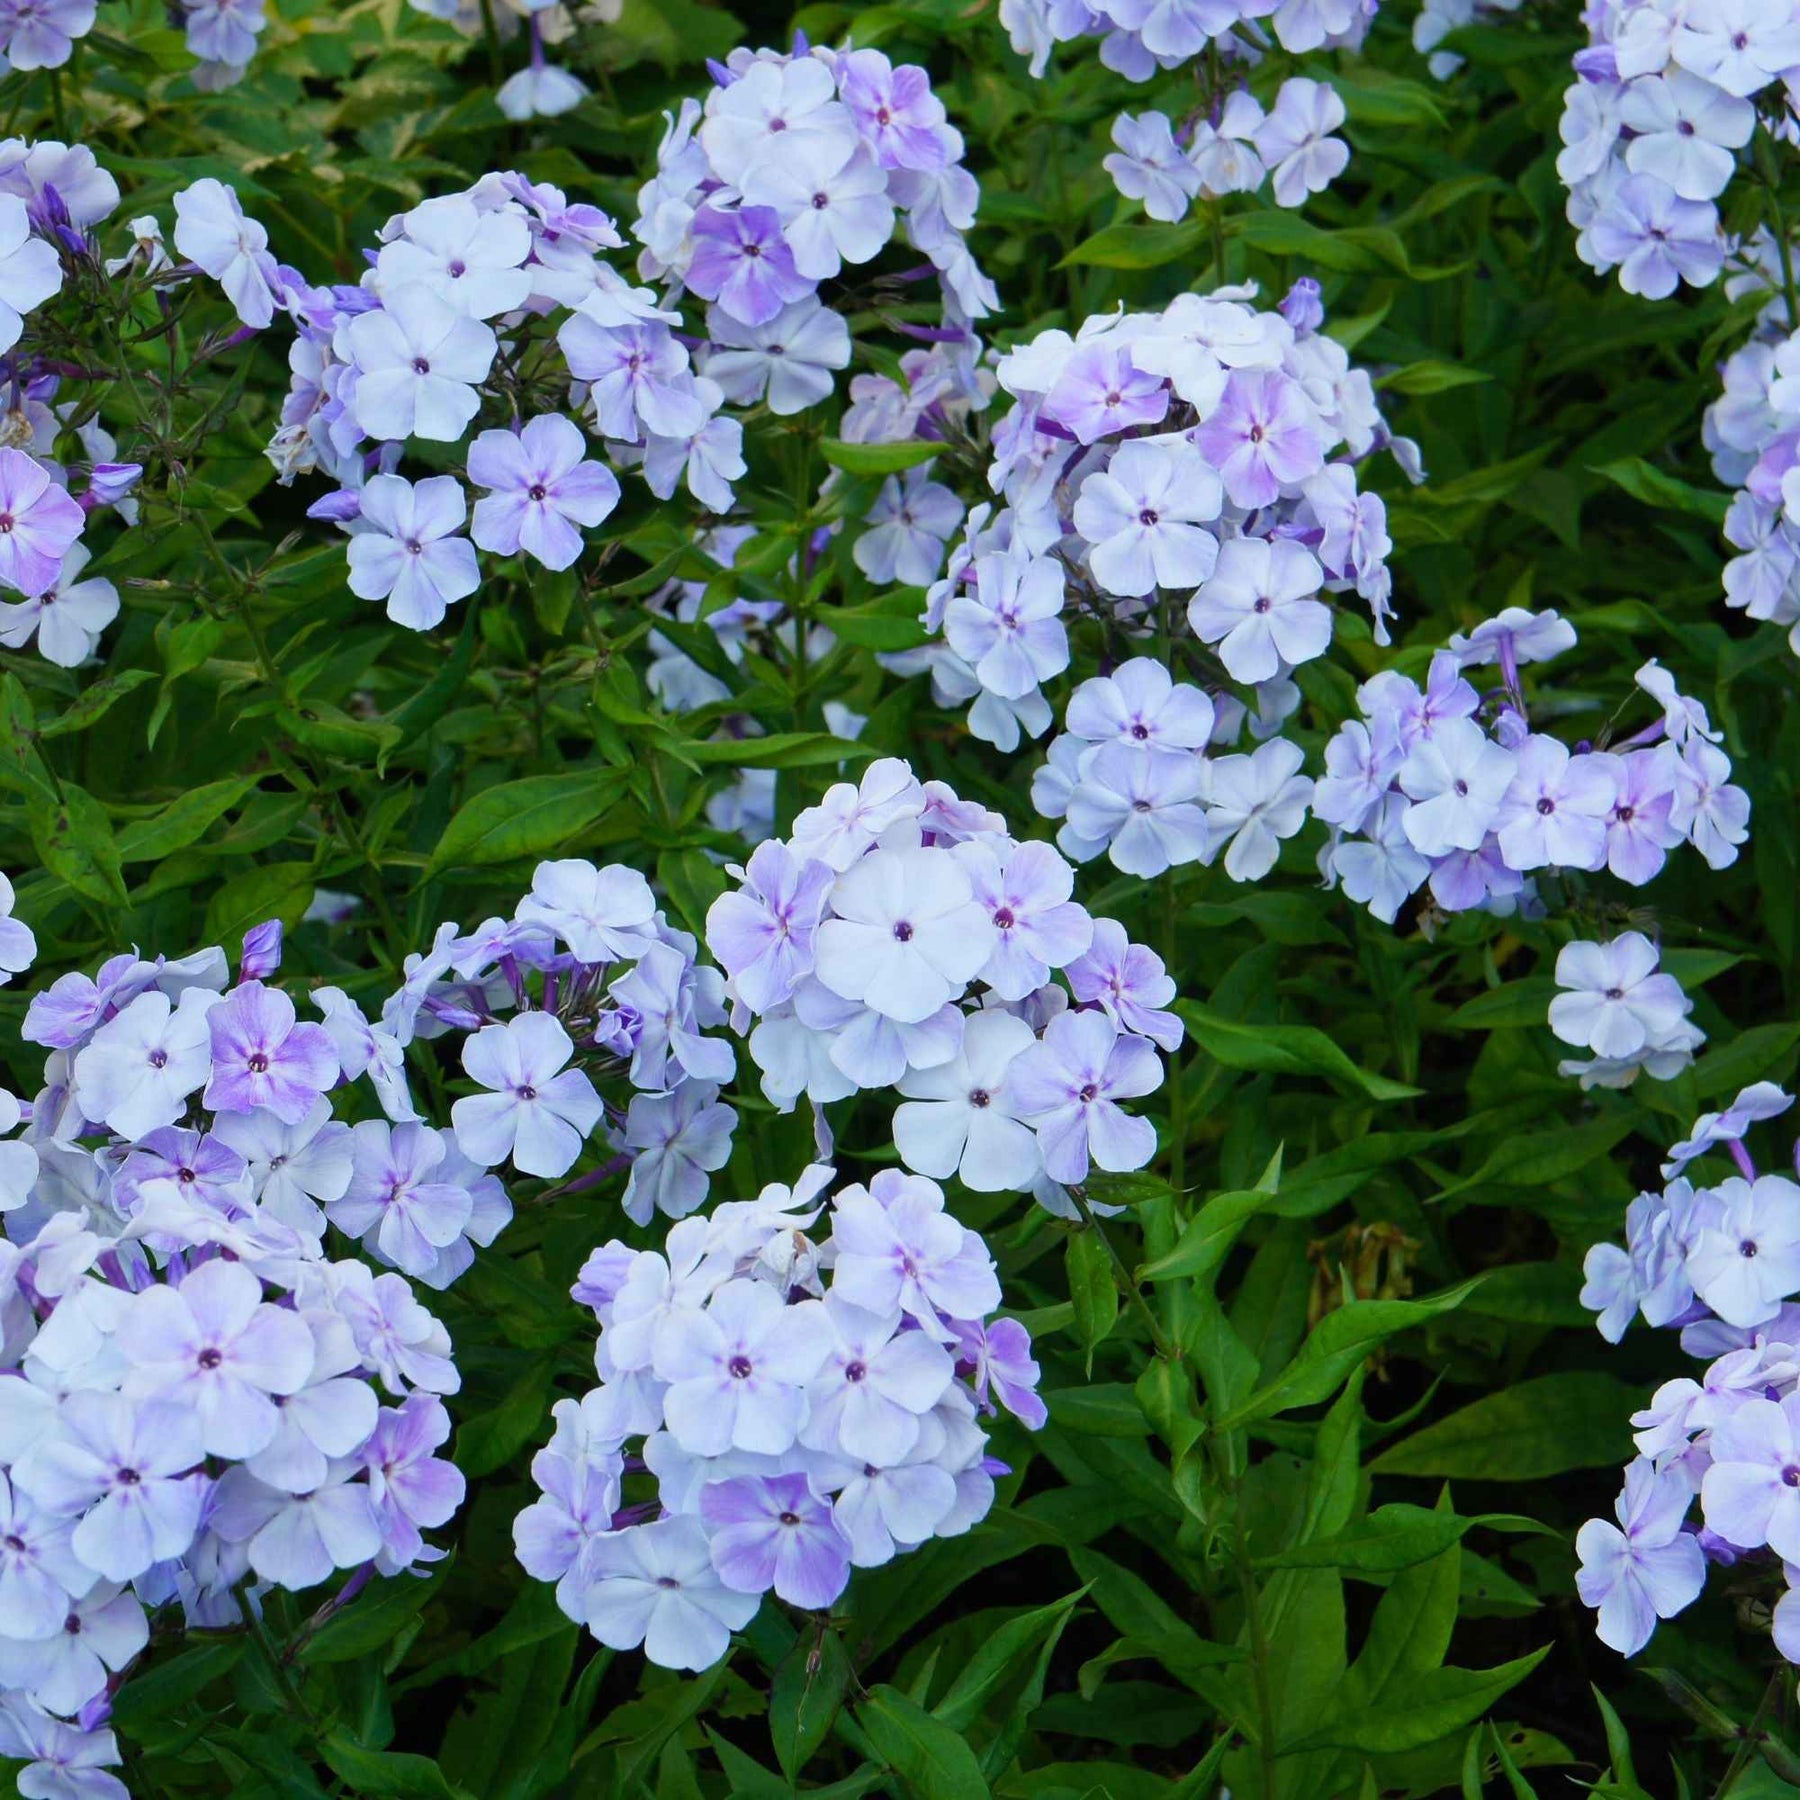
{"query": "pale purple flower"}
pixel 1616 1002
pixel 39 1570
pixel 262 1056
pixel 774 112
pixel 1039 927
pixel 1009 629
pixel 1640 831
pixel 296 1540
pixel 1101 392
pixel 1456 779
pixel 418 360
pixel 906 529
pixel 898 1250
pixel 30 269
pixel 142 1064
pixel 100 1633
pixel 214 1344
pixel 411 1490
pixel 1260 607
pixel 908 935
pixel 1381 869
pixel 1738 45
pixel 737 1372
pixel 1649 1568
pixel 127 1468
pixel 1142 805
pixel 1263 435
pixel 1714 816
pixel 762 930
pixel 1295 141
pixel 876 1385
pixel 961 1117
pixel 602 914
pixel 637 374
pixel 1149 166
pixel 655 1585
pixel 1129 983
pixel 1751 1493
pixel 1254 802
pixel 1005 1367
pixel 1761 1100
pixel 397 1199
pixel 62 1762
pixel 212 232
pixel 790 357
pixel 541 491
pixel 742 261
pixel 1684 131
pixel 1069 1086
pixel 1512 637
pixel 772 1531
pixel 1140 704
pixel 539 1111
pixel 410 554
pixel 1141 518
pixel 681 1139
pixel 1656 238
pixel 1554 814
pixel 1745 1258
pixel 834 209
pixel 39 523
pixel 468 257
pixel 896 111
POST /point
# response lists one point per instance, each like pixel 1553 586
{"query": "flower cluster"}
pixel 1153 456
pixel 1449 788
pixel 1717 1255
pixel 901 939
pixel 1753 433
pixel 1665 103
pixel 1615 1001
pixel 198 1404
pixel 1232 148
pixel 587 974
pixel 56 464
pixel 794 169
pixel 1130 777
pixel 799 1408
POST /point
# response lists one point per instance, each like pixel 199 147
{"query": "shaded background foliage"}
pixel 1301 1520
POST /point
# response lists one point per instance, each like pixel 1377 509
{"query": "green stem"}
pixel 1752 1734
pixel 1128 1281
pixel 1259 1643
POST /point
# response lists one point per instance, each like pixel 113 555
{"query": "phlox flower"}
pixel 263 1057
pixel 140 1066
pixel 1456 779
pixel 1264 434
pixel 30 269
pixel 212 231
pixel 1746 1495
pixel 1260 607
pixel 961 1117
pixel 467 257
pixel 1010 629
pixel 1616 1001
pixel 1149 166
pixel 655 1585
pixel 1295 141
pixel 742 260
pixel 834 207
pixel 39 523
pixel 538 1111
pixel 1745 1257
pixel 1255 801
pixel 772 1531
pixel 418 360
pixel 791 357
pixel 1142 807
pixel 1068 1086
pixel 906 529
pixel 67 619
pixel 1646 1569
pixel 1554 813
pixel 541 492
pixel 1141 518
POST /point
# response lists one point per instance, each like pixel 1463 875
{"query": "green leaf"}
pixel 1207 1239
pixel 1136 246
pixel 807 1692
pixel 1535 1159
pixel 386 1772
pixel 1512 1003
pixel 373 1619
pixel 151 1699
pixel 1284 1050
pixel 877 459
pixel 1389 1539
pixel 998 1658
pixel 74 838
pixel 93 703
pixel 1431 378
pixel 280 890
pixel 779 750
pixel 1644 482
pixel 933 1760
pixel 1430 1706
pixel 183 821
pixel 1341 1341
pixel 516 820
pixel 1093 1289
pixel 1533 1429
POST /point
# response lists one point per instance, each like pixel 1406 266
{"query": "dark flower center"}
pixel 209 1358
pixel 855 1371
pixel 1546 806
pixel 740 1367
pixel 420 366
pixel 536 491
pixel 257 1063
pixel 1090 1092
pixel 902 932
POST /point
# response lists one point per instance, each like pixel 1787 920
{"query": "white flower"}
pixel 1456 778
pixel 1256 801
pixel 908 936
pixel 211 230
pixel 141 1066
pixel 1260 608
pixel 539 1111
pixel 791 356
pixel 418 360
pixel 68 620
pixel 410 556
pixel 960 1117
pixel 1617 1003
pixel 30 270
pixel 1139 515
pixel 468 258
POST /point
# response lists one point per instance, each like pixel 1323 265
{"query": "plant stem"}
pixel 1127 1280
